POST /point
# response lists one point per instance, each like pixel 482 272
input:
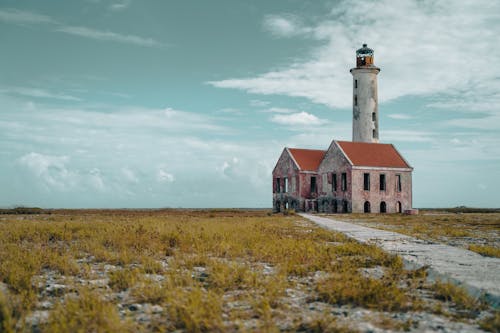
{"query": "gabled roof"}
pixel 373 154
pixel 307 159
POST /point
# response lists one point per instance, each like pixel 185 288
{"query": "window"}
pixel 325 182
pixel 344 181
pixel 367 208
pixel 285 184
pixel 278 185
pixel 374 134
pixel 356 84
pixel 313 185
pixel 334 182
pixel 366 181
pixel 374 116
pixel 383 207
pixel 382 182
pixel 355 100
pixel 398 183
pixel 294 184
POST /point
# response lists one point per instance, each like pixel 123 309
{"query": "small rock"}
pixel 55 289
pixel 135 307
pixel 45 305
pixel 37 317
pixel 156 309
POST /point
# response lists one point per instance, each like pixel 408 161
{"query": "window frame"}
pixel 343 181
pixel 382 182
pixel 366 181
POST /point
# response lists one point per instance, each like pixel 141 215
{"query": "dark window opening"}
pixel 334 182
pixel 344 181
pixel 355 100
pixel 382 182
pixel 383 207
pixel 367 208
pixel 374 134
pixel 356 84
pixel 398 183
pixel 398 207
pixel 366 181
pixel 313 185
pixel 374 116
pixel 334 206
pixel 278 185
pixel 344 206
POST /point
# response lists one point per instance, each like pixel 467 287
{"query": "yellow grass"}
pixel 201 260
pixel 461 229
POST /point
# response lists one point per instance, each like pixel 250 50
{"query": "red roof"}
pixel 373 154
pixel 307 159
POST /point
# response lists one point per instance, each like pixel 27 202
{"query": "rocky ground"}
pixel 216 293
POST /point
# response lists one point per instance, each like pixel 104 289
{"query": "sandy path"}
pixel 478 274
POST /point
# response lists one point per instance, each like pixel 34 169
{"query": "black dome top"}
pixel 364 51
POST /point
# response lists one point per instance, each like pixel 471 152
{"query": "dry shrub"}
pixel 352 288
pixel 195 310
pixel 448 292
pixel 485 250
pixel 86 313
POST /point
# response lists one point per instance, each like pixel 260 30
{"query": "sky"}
pixel 126 103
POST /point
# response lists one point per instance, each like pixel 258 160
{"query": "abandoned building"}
pixel 359 176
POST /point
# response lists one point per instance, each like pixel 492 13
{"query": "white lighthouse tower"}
pixel 365 100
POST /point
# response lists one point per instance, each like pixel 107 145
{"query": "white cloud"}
pixel 399 116
pixel 423 48
pixel 23 17
pixel 163 176
pixel 284 25
pixel 121 5
pixel 300 118
pixel 406 136
pixel 280 110
pixel 129 175
pixel 258 103
pixel 108 36
pixel 51 170
pixel 39 93
pixel 489 122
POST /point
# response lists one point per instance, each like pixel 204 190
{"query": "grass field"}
pixel 478 232
pixel 210 270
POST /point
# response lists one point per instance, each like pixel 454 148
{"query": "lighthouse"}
pixel 365 100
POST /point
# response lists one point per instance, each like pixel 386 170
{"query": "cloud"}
pixel 280 110
pixel 23 17
pixel 50 169
pixel 163 176
pixel 284 25
pixel 108 36
pixel 407 136
pixel 129 175
pixel 119 6
pixel 38 93
pixel 399 116
pixel 258 103
pixel 423 48
pixel 300 118
pixel 489 122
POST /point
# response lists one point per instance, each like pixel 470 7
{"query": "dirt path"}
pixel 476 273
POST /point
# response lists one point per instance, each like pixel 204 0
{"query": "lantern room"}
pixel 364 56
